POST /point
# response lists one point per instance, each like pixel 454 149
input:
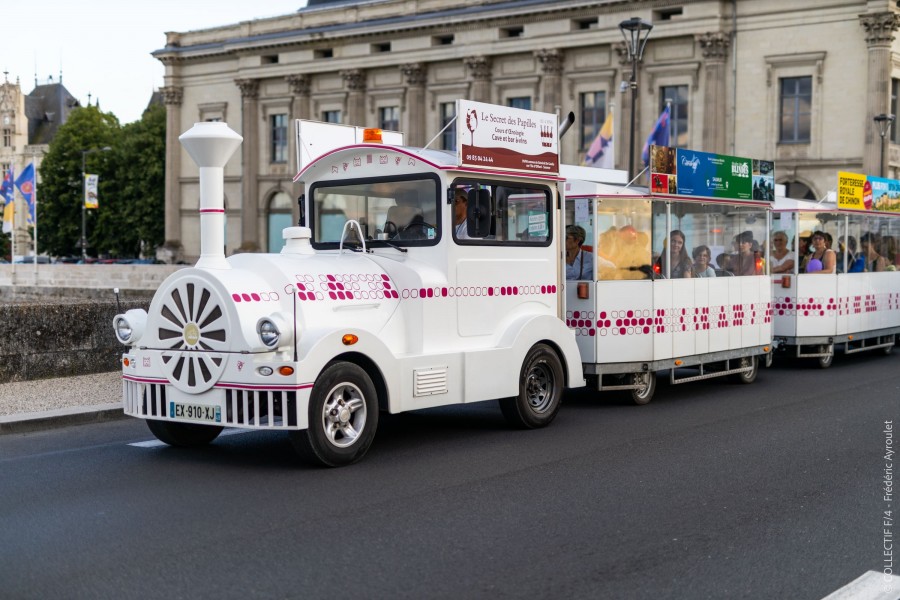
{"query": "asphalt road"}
pixel 714 490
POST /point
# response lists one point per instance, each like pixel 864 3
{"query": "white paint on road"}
pixel 157 443
pixel 871 585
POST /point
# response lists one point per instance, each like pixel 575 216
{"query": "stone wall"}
pixel 39 341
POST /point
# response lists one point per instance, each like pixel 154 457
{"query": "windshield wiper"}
pixel 394 246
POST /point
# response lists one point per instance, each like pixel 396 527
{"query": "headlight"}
pixel 268 332
pixel 130 326
pixel 274 331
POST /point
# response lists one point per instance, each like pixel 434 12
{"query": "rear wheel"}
pixel 646 382
pixel 540 390
pixel 343 417
pixel 183 435
pixel 888 349
pixel 825 361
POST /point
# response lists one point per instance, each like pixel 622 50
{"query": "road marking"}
pixel 157 443
pixel 871 585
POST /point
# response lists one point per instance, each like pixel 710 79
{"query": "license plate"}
pixel 195 412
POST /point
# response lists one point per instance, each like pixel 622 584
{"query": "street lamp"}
pixel 635 39
pixel 884 126
pixel 84 154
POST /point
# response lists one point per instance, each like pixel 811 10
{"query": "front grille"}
pixel 261 409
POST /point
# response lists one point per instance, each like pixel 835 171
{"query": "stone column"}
pixel 249 164
pixel 173 248
pixel 880 28
pixel 552 63
pixel 622 131
pixel 415 75
pixel 355 81
pixel 479 68
pixel 299 85
pixel 714 47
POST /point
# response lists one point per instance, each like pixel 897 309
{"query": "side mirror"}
pixel 478 213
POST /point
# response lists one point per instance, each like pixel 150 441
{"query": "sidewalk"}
pixel 32 405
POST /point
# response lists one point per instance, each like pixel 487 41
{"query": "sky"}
pixel 102 47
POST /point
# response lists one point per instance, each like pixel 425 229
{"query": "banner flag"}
pixel 90 190
pixel 25 183
pixel 7 193
pixel 659 136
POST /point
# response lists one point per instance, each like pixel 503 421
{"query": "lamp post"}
pixel 84 154
pixel 633 30
pixel 884 126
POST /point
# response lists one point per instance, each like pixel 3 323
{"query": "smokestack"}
pixel 211 145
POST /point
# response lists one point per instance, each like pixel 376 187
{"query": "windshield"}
pixel 397 210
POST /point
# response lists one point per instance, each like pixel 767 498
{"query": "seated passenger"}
pixel 874 262
pixel 782 258
pixel 579 264
pixel 681 262
pixel 701 266
pixel 823 260
pixel 745 261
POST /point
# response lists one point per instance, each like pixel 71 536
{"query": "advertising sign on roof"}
pixel 691 173
pixel 858 192
pixel 501 137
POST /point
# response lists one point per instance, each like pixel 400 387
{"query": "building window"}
pixel 323 53
pixel 512 32
pixel 523 102
pixel 5 167
pixel 593 113
pixel 7 138
pixel 442 40
pixel 389 118
pixel 796 110
pixel 279 138
pixel 448 138
pixel 678 95
pixel 331 116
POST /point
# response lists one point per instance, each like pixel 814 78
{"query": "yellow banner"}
pixel 850 190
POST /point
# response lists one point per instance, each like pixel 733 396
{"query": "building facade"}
pixel 798 83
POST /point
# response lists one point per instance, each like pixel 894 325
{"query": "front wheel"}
pixel 646 387
pixel 183 435
pixel 540 390
pixel 825 361
pixel 748 376
pixel 343 417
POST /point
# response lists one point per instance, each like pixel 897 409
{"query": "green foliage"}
pixel 131 214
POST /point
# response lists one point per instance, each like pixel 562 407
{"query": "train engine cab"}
pixel 415 281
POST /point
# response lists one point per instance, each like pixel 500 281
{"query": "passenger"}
pixel 460 205
pixel 579 264
pixel 782 259
pixel 874 261
pixel 823 260
pixel 681 261
pixel 804 249
pixel 856 261
pixel 745 262
pixel 701 268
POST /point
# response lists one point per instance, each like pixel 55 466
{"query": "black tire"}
pixel 644 394
pixel 343 417
pixel 183 435
pixel 825 361
pixel 748 376
pixel 770 358
pixel 540 390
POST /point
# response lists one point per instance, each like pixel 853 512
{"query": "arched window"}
pixel 798 191
pixel 279 218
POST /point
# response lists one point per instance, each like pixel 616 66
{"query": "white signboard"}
pixel 315 139
pixel 501 137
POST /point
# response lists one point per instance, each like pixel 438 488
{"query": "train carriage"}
pixel 648 307
pixel 853 306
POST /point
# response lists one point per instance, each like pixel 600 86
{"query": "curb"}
pixel 37 421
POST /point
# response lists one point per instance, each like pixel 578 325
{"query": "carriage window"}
pixel 623 239
pixel 520 213
pixel 401 211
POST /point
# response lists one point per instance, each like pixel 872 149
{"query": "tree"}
pixel 61 193
pixel 131 222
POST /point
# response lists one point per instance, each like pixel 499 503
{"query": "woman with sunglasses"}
pixel 822 260
pixel 782 259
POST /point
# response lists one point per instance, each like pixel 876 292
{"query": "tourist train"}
pixel 419 278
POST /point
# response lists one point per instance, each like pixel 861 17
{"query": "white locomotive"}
pixel 384 302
